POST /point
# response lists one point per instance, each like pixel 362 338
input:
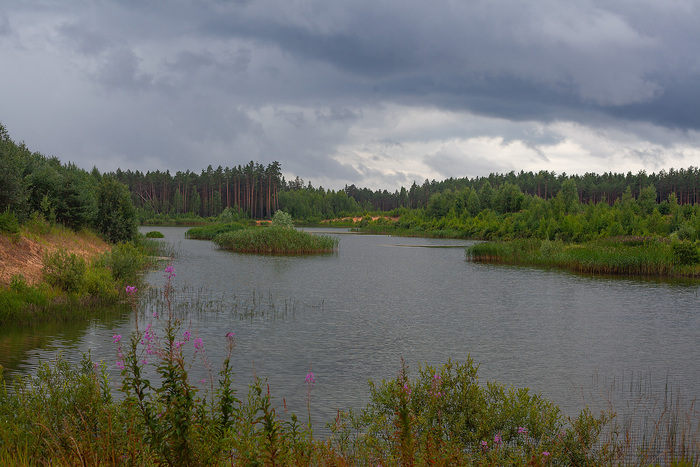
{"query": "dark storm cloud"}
pixel 544 60
pixel 319 85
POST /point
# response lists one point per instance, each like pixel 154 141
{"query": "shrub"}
pixel 64 270
pixel 125 260
pixel 98 282
pixel 154 234
pixel 282 220
pixel 685 252
pixel 8 222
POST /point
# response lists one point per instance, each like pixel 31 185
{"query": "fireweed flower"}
pixel 130 289
pixel 497 439
pixel 522 430
pixel 186 335
pixel 545 453
pixel 198 344
pixel 169 272
pixel 230 336
pixel 116 338
pixel 310 381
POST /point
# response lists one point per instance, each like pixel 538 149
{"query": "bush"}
pixel 154 234
pixel 64 270
pixel 98 282
pixel 282 220
pixel 8 223
pixel 125 260
pixel 685 252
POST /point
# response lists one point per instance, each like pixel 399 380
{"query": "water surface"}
pixel 353 315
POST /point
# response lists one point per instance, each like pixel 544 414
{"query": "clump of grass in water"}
pixel 201 301
pixel 652 427
pixel 276 240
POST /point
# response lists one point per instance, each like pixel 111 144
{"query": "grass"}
pixel 624 256
pixel 275 240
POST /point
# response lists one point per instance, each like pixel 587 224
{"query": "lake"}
pixel 353 315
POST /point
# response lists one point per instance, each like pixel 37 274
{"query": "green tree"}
pixel 12 189
pixel 116 214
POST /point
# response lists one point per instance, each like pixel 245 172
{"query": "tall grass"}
pixel 275 240
pixel 626 256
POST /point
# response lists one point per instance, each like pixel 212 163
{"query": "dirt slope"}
pixel 24 256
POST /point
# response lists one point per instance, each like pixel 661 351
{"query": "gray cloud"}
pixel 320 85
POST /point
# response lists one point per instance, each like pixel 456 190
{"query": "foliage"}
pixel 125 260
pixel 686 252
pixel 8 223
pixel 622 255
pixel 154 234
pixel 116 215
pixel 282 220
pixel 64 270
pixel 12 188
pixel 275 240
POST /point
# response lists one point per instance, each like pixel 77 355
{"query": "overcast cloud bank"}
pixel 378 94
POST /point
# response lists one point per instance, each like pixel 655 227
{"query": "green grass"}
pixel 620 255
pixel 274 240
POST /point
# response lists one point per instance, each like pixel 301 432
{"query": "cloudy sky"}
pixel 371 92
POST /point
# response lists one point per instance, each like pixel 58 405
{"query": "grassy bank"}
pixel 622 255
pixel 57 274
pixel 275 240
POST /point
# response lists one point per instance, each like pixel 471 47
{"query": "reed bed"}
pixel 187 301
pixel 275 240
pixel 634 256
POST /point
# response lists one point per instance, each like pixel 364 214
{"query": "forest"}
pixel 32 184
pixel 256 191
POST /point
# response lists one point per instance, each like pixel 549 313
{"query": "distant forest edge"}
pixel 33 183
pixel 257 191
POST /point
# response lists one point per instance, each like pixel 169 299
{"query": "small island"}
pixel 280 238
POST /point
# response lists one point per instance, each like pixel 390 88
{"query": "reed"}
pixel 633 256
pixel 274 240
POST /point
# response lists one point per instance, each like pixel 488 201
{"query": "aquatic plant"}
pixel 275 240
pixel 618 255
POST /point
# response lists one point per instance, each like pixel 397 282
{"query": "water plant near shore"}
pixel 276 240
pixel 620 255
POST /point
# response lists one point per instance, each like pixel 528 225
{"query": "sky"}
pixel 367 92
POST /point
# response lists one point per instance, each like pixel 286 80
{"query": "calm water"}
pixel 352 316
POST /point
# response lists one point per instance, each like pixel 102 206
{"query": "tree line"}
pixel 252 189
pixel 33 185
